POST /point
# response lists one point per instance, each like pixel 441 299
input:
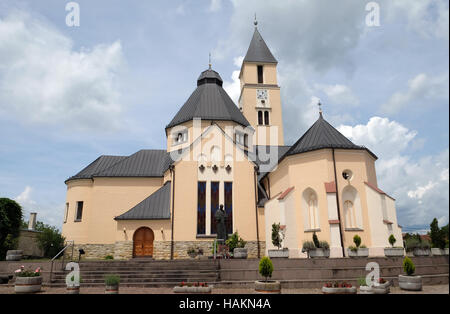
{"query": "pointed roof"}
pixel 258 50
pixel 209 101
pixel 156 206
pixel 323 135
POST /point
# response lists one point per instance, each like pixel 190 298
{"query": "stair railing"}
pixel 69 244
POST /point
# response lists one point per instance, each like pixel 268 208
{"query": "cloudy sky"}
pixel 109 86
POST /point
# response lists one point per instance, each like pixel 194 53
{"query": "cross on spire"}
pixel 320 107
pixel 210 60
pixel 256 21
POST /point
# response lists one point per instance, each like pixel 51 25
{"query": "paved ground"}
pixel 438 289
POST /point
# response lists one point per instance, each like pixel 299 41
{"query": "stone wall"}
pixel 28 243
pixel 161 249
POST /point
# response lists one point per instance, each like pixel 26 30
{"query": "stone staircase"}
pixel 143 272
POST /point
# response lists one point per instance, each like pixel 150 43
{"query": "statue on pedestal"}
pixel 221 225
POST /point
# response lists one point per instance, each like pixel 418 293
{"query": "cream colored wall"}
pixel 161 229
pixel 78 190
pixel 196 127
pixel 187 175
pixel 104 198
pixel 312 170
pixel 249 73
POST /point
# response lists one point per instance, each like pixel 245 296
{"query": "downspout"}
pixel 172 171
pixel 338 206
pixel 256 211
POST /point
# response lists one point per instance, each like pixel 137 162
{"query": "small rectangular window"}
pixel 260 74
pixel 79 213
pixel 66 213
pixel 260 118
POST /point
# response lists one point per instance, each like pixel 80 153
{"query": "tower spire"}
pixel 209 61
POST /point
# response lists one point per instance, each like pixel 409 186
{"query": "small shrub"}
pixel 191 250
pixel 109 257
pixel 408 266
pixel 235 241
pixel 357 240
pixel 353 248
pixel 308 246
pixel 265 267
pixel 324 245
pixel 362 281
pixel 392 240
pixel 112 280
pixel 363 247
pixel 21 272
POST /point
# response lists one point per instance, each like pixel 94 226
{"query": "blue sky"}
pixel 109 86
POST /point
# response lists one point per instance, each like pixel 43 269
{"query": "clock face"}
pixel 261 93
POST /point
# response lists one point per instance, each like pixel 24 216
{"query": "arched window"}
pixel 266 117
pixel 352 208
pixel 310 209
pixel 350 214
pixel 260 117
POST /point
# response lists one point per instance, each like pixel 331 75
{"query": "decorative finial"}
pixel 320 107
pixel 256 21
pixel 210 60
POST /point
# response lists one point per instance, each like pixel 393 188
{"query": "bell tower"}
pixel 260 100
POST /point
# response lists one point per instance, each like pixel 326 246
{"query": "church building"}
pixel 161 202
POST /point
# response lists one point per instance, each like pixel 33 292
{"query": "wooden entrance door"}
pixel 143 242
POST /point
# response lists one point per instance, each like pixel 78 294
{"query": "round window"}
pixel 347 174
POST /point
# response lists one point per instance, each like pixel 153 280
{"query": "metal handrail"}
pixel 70 243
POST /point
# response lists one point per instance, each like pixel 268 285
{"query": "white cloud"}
pixel 339 94
pixel 48 212
pixel 233 88
pixel 43 80
pixel 420 88
pixel 421 185
pixel 429 18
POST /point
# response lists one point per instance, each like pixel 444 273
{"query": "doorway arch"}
pixel 143 242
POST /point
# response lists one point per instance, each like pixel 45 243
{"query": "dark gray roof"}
pixel 156 206
pixel 209 101
pixel 144 163
pixel 258 50
pixel 98 165
pixel 322 135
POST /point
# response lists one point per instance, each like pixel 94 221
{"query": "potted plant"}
pixel 382 286
pixel 196 287
pixel 316 248
pixel 358 250
pixel 278 234
pixel 417 246
pixel 237 245
pixel 363 287
pixel 393 251
pixel 192 252
pixel 112 284
pixel 27 281
pixel 409 282
pixel 267 286
pixel 338 288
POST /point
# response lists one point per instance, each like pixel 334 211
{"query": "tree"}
pixel 437 235
pixel 10 223
pixel 392 240
pixel 276 237
pixel 265 267
pixel 50 239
